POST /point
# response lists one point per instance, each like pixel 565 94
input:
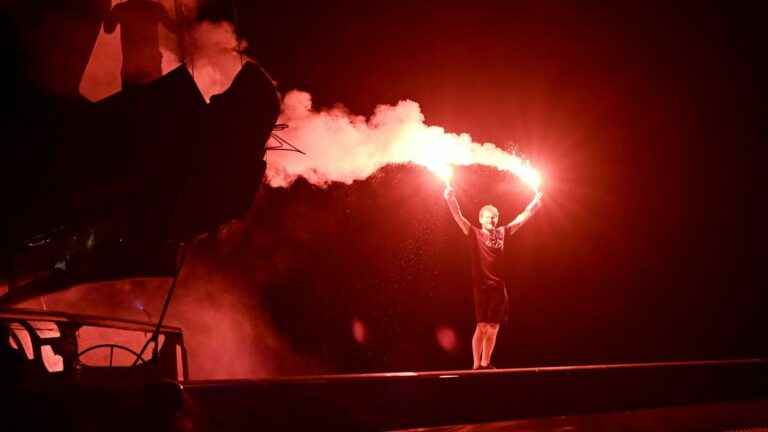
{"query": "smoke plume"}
pixel 215 56
pixel 344 147
pixel 226 330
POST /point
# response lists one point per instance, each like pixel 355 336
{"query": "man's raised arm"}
pixel 525 214
pixel 453 205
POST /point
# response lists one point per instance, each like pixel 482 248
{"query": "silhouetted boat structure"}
pixel 112 189
pixel 53 383
pixel 155 167
pixel 155 394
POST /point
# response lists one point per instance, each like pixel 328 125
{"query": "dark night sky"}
pixel 644 120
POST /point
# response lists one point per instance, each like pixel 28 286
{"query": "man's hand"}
pixel 525 214
pixel 449 193
pixel 453 206
pixel 535 202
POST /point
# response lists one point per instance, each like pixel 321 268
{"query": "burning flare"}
pixel 343 147
pixel 444 172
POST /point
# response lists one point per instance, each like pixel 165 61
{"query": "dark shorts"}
pixel 490 303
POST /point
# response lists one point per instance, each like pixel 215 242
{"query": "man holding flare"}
pixel 486 249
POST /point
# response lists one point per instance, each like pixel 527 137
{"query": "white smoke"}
pixel 344 147
pixel 215 57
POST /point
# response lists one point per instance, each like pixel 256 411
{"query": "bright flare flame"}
pixel 444 172
pixel 532 178
pixel 525 172
pixel 439 152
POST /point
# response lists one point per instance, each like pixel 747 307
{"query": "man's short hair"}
pixel 489 208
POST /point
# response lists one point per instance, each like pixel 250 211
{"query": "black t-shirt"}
pixel 486 251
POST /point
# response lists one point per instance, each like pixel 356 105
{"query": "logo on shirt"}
pixel 494 240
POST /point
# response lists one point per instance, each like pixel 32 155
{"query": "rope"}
pixel 156 333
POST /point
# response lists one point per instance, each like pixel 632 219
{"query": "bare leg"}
pixel 489 342
pixel 477 347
